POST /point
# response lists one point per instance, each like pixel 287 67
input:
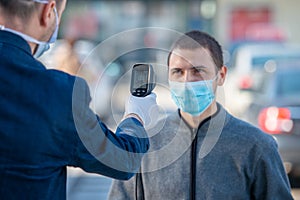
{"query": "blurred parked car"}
pixel 247 59
pixel 275 109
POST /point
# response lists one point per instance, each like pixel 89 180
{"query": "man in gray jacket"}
pixel 201 151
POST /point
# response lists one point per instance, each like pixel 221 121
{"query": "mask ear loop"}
pixel 212 80
pixel 55 33
pixel 216 77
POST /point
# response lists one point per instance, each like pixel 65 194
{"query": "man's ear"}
pixel 47 13
pixel 222 75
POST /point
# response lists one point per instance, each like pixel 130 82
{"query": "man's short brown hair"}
pixel 196 39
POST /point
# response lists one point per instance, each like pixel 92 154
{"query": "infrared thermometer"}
pixel 142 80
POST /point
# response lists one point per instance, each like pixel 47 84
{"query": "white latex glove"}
pixel 145 108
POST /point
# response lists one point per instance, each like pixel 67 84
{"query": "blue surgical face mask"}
pixel 42 47
pixel 193 97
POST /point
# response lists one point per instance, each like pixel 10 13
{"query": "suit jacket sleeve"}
pixel 99 150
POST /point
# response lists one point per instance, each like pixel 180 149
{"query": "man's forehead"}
pixel 185 52
pixel 193 57
pixel 42 1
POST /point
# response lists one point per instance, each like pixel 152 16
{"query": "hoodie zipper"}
pixel 193 166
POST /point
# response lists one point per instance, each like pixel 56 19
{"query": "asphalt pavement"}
pixel 82 185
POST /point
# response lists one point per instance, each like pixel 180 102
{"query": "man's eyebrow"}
pixel 199 67
pixel 176 68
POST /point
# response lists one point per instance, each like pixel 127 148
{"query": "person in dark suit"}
pixel 45 120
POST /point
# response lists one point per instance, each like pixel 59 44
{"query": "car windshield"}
pixel 259 62
pixel 289 83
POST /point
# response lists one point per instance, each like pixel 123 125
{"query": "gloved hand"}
pixel 145 107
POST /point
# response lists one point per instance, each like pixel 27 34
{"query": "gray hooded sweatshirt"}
pixel 225 158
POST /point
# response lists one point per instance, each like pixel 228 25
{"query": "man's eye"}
pixel 177 71
pixel 198 71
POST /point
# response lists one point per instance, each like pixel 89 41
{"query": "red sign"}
pixel 244 18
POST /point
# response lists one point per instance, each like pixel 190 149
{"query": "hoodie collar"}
pixel 215 120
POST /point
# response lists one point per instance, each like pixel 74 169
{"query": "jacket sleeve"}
pixel 99 150
pixel 270 181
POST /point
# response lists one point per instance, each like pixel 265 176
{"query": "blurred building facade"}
pixel 100 19
pixel 227 20
pixel 257 19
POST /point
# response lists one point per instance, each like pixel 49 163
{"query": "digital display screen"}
pixel 140 78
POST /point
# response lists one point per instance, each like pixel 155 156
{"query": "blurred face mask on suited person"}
pixel 193 97
pixel 42 47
